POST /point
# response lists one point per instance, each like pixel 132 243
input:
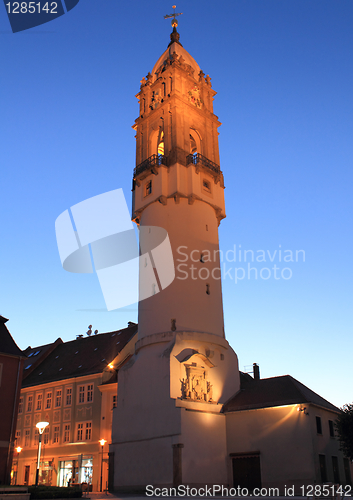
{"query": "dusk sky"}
pixel 283 74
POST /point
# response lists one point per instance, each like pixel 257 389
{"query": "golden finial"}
pixel 174 21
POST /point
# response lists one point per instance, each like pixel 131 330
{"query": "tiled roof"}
pixel 7 343
pixel 83 356
pixel 274 391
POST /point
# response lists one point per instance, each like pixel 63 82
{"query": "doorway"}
pixel 246 471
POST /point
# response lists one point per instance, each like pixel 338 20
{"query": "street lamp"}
pixel 18 449
pixel 40 426
pixel 102 443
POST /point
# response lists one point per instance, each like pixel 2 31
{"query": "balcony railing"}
pixel 152 161
pixel 197 159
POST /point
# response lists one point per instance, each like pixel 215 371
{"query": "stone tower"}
pixel 167 428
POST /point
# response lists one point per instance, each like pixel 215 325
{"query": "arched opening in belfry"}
pixel 195 142
pixel 160 143
pixel 193 146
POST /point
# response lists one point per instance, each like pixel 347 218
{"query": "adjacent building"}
pixel 11 366
pixel 73 386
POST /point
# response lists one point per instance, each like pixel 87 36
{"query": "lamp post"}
pixel 102 443
pixel 18 449
pixel 40 426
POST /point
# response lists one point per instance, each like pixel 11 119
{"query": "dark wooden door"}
pixel 247 472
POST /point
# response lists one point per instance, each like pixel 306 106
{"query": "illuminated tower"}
pixel 168 427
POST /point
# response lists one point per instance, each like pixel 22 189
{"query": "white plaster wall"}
pixel 194 310
pixel 140 463
pixel 204 452
pixel 287 442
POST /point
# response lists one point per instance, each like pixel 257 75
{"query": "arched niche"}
pixel 195 142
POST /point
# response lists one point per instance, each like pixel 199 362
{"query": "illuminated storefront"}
pixel 75 470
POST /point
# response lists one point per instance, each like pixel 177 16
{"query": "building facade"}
pixel 11 366
pixel 74 389
pixel 185 414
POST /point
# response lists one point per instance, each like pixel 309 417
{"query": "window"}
pixel 347 471
pixel 56 434
pixel 331 428
pixel 148 188
pixel 322 461
pixel 27 436
pixel 67 433
pixel 39 402
pixel 114 401
pixel 68 396
pixel 36 436
pixel 160 147
pixel 318 425
pixel 193 147
pixel 48 401
pixel 79 432
pixel 206 186
pixel 81 394
pixel 20 406
pixel 89 393
pixel 46 435
pixel 18 439
pixel 58 398
pixel 336 474
pixel 88 431
pixel 29 403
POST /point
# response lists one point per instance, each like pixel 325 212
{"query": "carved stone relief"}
pixel 195 386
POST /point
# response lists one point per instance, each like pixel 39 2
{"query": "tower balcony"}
pixel 152 161
pixel 198 159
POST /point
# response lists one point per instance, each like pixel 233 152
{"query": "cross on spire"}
pixel 174 21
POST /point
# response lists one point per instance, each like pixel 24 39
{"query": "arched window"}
pixel 160 144
pixel 193 146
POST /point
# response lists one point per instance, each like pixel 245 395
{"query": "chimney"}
pixel 256 371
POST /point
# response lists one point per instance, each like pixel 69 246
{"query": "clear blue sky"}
pixel 284 77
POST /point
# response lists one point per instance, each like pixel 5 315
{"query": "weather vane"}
pixel 174 21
